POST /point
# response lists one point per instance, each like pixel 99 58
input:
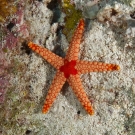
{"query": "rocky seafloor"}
pixel 25 77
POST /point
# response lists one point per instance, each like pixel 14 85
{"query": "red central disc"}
pixel 69 68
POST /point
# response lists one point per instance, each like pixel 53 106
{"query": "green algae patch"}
pixel 72 18
pixel 14 111
pixel 7 8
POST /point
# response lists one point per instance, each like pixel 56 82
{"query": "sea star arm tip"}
pixel 54 90
pixel 117 67
pixel 74 46
pixel 75 83
pixel 87 66
pixel 49 56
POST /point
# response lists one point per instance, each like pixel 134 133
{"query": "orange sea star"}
pixel 69 69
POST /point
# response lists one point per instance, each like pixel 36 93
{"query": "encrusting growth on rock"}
pixel 69 69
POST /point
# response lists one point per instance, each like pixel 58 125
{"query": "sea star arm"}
pixel 72 53
pixel 52 58
pixel 86 67
pixel 75 83
pixel 54 90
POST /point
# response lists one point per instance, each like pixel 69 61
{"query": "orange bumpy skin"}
pixel 54 90
pixel 70 68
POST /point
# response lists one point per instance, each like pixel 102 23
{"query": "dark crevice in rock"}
pixel 55 7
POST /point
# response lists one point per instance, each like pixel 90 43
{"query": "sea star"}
pixel 69 69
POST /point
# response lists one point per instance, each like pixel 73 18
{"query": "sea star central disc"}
pixel 69 68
